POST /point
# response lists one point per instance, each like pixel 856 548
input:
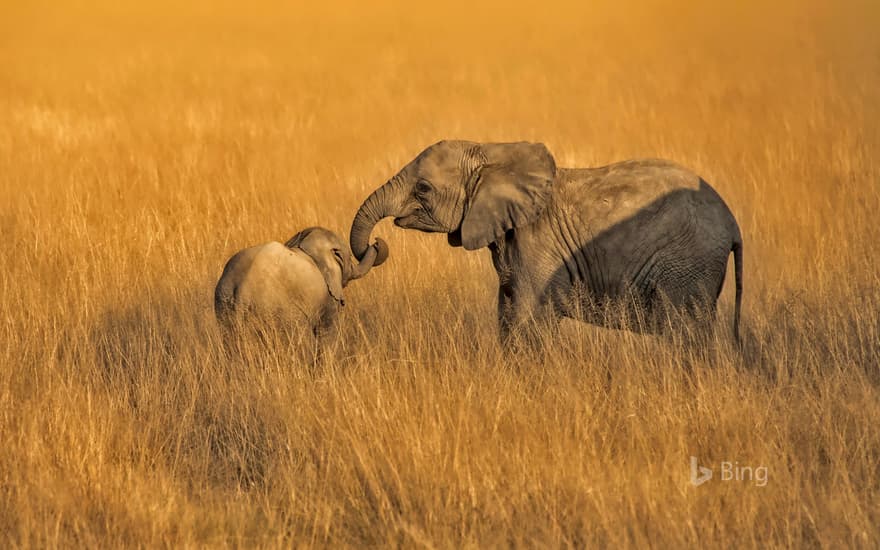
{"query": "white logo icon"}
pixel 699 474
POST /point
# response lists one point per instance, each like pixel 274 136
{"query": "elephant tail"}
pixel 737 249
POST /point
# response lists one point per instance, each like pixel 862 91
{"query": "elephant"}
pixel 293 286
pixel 643 238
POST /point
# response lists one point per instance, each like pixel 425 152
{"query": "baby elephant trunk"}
pixel 376 254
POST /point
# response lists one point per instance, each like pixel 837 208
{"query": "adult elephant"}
pixel 570 242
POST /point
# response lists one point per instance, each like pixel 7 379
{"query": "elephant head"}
pixel 333 257
pixel 474 192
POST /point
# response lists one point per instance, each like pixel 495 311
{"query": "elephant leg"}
pixel 325 336
pixel 505 317
pixel 320 351
pixel 524 322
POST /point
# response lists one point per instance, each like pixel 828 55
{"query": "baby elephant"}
pixel 292 286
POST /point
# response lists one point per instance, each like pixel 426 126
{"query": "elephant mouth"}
pixel 454 238
pixel 414 222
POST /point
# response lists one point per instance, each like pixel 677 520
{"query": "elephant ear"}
pixel 297 240
pixel 323 248
pixel 512 189
pixel 330 266
pixel 333 279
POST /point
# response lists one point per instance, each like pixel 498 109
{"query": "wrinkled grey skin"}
pixel 297 285
pixel 638 235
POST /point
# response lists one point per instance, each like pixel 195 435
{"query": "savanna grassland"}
pixel 142 144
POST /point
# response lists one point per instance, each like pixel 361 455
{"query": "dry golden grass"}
pixel 141 145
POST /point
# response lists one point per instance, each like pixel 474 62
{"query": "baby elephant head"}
pixel 333 257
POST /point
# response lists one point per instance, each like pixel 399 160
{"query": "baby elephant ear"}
pixel 334 266
pixel 333 278
pixel 323 247
pixel 512 190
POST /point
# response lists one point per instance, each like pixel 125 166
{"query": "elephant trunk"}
pixel 383 202
pixel 375 255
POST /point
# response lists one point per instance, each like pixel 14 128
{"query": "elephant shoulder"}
pixel 282 277
pixel 261 265
pixel 270 257
pixel 297 275
pixel 289 264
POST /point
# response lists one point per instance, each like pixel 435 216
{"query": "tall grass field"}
pixel 143 143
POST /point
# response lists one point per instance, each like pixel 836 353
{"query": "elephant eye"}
pixel 423 188
pixel 338 255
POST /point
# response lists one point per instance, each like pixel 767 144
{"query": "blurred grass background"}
pixel 142 144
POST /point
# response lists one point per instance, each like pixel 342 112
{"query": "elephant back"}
pixel 271 281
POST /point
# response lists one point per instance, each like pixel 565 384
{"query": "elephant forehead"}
pixel 438 165
pixel 439 156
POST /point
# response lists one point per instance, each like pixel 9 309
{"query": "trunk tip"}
pixel 381 252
